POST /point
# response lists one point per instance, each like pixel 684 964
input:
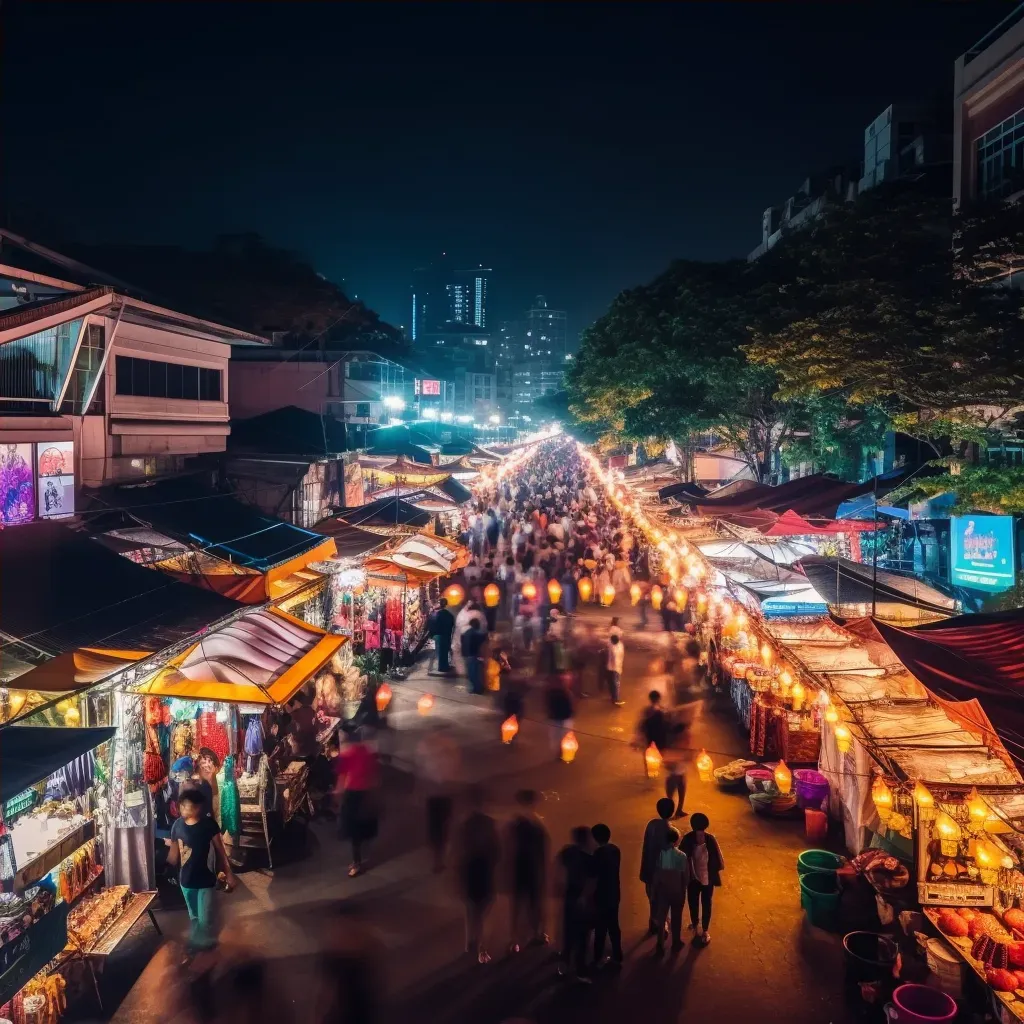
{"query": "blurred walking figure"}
pixel 526 857
pixel 440 764
pixel 671 878
pixel 607 893
pixel 578 883
pixel 358 778
pixel 616 658
pixel 655 837
pixel 559 708
pixel 652 727
pixel 442 626
pixel 479 852
pixel 675 783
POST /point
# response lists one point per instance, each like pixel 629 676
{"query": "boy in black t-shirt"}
pixel 192 835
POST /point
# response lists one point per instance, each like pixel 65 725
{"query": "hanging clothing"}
pixel 253 744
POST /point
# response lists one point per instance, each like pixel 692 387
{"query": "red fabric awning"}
pixel 792 524
pixel 971 657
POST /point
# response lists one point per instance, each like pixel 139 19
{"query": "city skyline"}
pixel 644 175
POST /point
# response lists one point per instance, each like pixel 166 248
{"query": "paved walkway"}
pixel 396 932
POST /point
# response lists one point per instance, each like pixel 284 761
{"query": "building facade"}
pixel 545 332
pixel 444 296
pixel 100 387
pixel 988 115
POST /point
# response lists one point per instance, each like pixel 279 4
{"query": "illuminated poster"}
pixel 982 549
pixel 431 387
pixel 56 485
pixel 17 484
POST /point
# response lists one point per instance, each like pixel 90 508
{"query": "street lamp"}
pixel 430 413
pixel 495 419
pixel 394 403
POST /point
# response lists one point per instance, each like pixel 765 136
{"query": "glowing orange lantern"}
pixel 509 729
pixel 679 596
pixel 881 795
pixel 656 597
pixel 554 591
pixel 702 601
pixel 607 595
pixel 783 778
pixel 383 697
pixel 705 766
pixel 844 739
pixel 766 654
pixel 425 703
pixel 569 747
pixel 529 591
pixel 492 595
pixel 585 588
pixel 798 693
pixel 634 593
pixel 454 594
pixel 742 621
pixel 652 761
pixel 977 808
pixel 831 715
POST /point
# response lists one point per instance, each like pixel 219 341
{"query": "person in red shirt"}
pixel 358 778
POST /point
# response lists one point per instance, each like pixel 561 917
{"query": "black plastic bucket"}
pixel 869 959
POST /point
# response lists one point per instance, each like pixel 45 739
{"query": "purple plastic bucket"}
pixel 919 1004
pixel 811 787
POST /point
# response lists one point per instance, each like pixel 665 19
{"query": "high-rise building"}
pixel 443 297
pixel 544 337
pixel 988 114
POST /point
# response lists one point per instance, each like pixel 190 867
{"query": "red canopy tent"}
pixel 971 657
pixel 792 524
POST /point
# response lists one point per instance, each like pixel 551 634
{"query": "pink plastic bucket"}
pixel 919 1004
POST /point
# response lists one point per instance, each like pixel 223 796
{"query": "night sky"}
pixel 576 149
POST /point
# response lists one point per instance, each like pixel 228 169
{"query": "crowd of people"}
pixel 535 535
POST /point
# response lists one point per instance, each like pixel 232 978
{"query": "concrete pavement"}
pixel 396 932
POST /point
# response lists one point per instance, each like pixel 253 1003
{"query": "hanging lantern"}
pixel 382 698
pixel 977 809
pixel 509 729
pixel 949 834
pixel 492 595
pixel 585 588
pixel 705 766
pixel 881 794
pixel 702 601
pixel 72 718
pixel 831 715
pixel 786 679
pixel 425 703
pixel 679 596
pixel 797 692
pixel 742 621
pixel 554 591
pixel 607 595
pixel 635 593
pixel 925 802
pixel 656 597
pixel 783 778
pixel 988 858
pixel 766 654
pixel 529 591
pixel 844 739
pixel 569 747
pixel 652 761
pixel 454 594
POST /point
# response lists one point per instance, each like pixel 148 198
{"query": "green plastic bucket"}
pixel 819 896
pixel 811 861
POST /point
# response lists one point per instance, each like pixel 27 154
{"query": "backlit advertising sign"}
pixel 982 552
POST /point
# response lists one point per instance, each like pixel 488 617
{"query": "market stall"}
pixel 57 917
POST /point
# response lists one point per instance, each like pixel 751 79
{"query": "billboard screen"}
pixel 982 552
pixel 430 387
